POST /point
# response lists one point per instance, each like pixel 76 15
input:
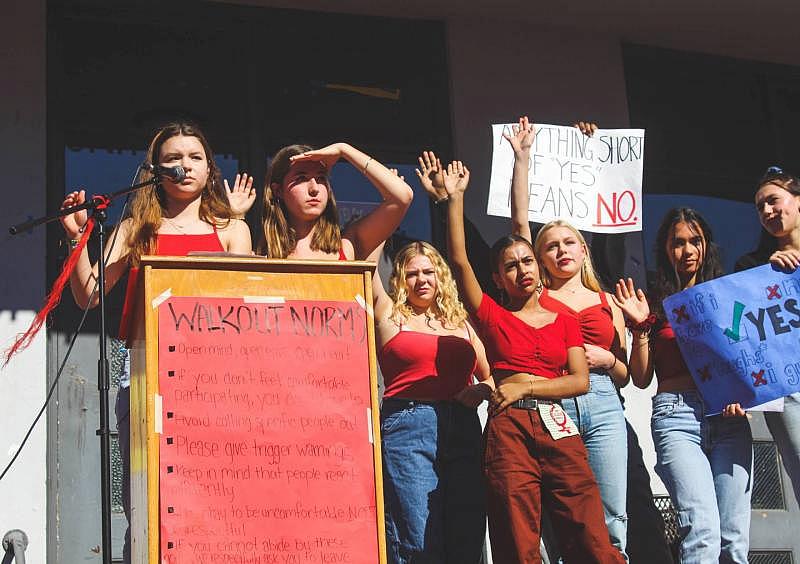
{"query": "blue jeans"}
pixel 432 482
pixel 601 422
pixel 785 429
pixel 706 464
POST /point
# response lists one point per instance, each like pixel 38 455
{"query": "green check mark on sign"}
pixel 733 332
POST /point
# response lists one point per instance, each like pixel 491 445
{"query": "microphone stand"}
pixel 98 206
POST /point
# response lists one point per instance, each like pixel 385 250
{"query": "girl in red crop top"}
pixel 537 359
pixel 430 432
pixel 198 205
pixel 170 218
pixel 299 209
pixel 701 458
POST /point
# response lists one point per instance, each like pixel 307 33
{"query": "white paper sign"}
pixel 595 182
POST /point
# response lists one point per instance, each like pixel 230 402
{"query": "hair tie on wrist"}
pixel 644 326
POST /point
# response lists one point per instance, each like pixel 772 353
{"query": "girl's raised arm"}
pixel 378 225
pixel 456 180
pixel 84 276
pixel 521 141
pixel 634 306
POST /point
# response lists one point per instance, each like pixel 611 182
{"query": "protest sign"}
pixel 740 336
pixel 595 182
pixel 266 451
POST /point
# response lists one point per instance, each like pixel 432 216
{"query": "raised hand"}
pixel 631 301
pixel 523 136
pixel 242 195
pixel 74 222
pixel 456 178
pixel 327 156
pixel 430 174
pixel 587 127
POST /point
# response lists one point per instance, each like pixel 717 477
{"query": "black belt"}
pixel 531 403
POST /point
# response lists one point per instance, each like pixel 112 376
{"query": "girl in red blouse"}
pixel 533 452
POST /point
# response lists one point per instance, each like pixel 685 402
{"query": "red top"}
pixel 596 322
pixel 167 245
pixel 667 358
pixel 425 366
pixel 512 344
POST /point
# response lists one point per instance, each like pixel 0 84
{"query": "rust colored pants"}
pixel 524 466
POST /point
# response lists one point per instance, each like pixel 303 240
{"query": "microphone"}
pixel 174 173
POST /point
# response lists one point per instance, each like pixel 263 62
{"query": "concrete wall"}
pixel 22 136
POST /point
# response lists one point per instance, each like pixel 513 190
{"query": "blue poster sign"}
pixel 740 336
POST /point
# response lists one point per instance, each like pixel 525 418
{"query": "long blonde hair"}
pixel 278 237
pixel 446 306
pixel 149 203
pixel 588 276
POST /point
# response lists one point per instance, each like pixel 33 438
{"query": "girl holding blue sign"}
pixel 778 202
pixel 704 461
pixel 570 287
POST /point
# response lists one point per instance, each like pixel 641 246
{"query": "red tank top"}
pixel 167 245
pixel 667 358
pixel 424 366
pixel 596 322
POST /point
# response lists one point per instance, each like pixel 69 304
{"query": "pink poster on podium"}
pixel 266 449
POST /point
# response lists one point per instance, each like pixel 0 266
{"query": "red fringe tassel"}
pixel 53 298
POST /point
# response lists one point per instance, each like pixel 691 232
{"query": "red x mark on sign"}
pixel 758 378
pixel 680 313
pixel 705 374
pixel 773 292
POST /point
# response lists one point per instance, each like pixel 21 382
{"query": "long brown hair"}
pixel 278 237
pixel 149 204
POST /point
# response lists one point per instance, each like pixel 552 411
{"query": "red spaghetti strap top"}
pixel 424 366
pixel 341 254
pixel 667 357
pixel 596 322
pixel 167 245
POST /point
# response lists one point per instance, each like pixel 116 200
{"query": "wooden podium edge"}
pixel 146 293
pixel 377 455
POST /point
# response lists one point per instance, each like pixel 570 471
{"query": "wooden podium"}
pixel 254 413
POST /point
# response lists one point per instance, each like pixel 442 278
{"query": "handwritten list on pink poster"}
pixel 266 450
